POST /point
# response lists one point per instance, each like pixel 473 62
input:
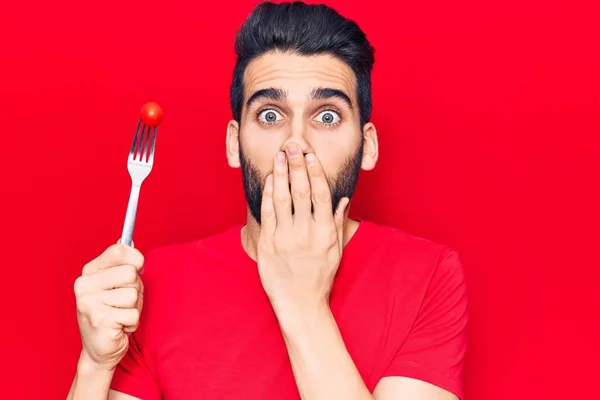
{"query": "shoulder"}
pixel 424 280
pixel 183 258
pixel 399 245
pixel 408 259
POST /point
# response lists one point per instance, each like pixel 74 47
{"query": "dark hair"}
pixel 303 29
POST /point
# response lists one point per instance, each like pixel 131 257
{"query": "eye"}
pixel 269 116
pixel 328 117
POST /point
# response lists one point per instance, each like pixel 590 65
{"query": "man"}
pixel 271 309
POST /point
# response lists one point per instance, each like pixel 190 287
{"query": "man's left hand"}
pixel 298 254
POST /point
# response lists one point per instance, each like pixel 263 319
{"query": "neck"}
pixel 251 231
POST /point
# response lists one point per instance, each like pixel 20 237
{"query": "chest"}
pixel 237 351
pixel 224 340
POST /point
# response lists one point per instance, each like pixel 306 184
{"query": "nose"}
pixel 298 135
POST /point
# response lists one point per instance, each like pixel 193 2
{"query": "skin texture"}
pixel 343 148
pixel 301 147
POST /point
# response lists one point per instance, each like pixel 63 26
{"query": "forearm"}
pixel 91 382
pixel 322 366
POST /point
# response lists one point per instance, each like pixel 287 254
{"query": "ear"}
pixel 370 147
pixel 233 144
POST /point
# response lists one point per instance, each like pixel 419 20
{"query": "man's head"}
pixel 303 75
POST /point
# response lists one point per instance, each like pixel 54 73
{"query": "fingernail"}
pixel 293 150
pixel 281 158
pixel 311 160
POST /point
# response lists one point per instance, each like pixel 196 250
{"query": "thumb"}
pixel 132 242
pixel 340 215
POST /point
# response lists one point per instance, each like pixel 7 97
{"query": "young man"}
pixel 300 302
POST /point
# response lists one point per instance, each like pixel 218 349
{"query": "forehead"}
pixel 298 75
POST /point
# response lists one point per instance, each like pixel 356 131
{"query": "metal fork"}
pixel 139 165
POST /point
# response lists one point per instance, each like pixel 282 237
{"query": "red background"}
pixel 489 122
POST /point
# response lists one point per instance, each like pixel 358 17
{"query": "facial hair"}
pixel 342 185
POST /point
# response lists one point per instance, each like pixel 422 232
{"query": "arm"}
pixel 93 383
pixel 323 368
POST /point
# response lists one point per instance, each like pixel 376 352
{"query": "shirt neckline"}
pixel 351 246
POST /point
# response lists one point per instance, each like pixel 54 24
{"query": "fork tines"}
pixel 139 148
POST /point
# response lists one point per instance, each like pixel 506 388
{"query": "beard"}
pixel 342 185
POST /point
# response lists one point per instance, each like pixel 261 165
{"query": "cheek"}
pixel 260 150
pixel 331 160
pixel 333 152
pixel 331 167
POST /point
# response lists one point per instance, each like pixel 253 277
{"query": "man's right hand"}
pixel 109 296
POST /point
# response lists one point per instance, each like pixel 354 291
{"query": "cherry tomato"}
pixel 151 114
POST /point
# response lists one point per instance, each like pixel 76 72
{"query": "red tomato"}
pixel 151 114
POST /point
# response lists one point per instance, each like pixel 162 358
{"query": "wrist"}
pixel 88 367
pixel 288 300
pixel 300 317
pixel 92 380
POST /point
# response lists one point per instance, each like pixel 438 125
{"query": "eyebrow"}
pixel 329 93
pixel 270 93
pixel 281 95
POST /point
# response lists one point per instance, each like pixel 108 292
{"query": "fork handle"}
pixel 129 224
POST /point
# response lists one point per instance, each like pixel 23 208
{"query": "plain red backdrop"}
pixel 489 123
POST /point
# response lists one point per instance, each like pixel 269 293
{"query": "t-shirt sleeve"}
pixel 133 377
pixel 135 373
pixel 435 347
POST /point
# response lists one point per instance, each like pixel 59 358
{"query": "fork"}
pixel 139 165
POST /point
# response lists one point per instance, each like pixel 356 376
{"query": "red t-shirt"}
pixel 207 329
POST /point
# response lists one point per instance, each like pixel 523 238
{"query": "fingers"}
pixel 113 308
pixel 268 220
pixel 117 277
pixel 300 186
pixel 127 317
pixel 321 194
pixel 121 297
pixel 309 190
pixel 282 199
pixel 117 254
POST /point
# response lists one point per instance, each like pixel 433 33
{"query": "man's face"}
pixel 310 101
